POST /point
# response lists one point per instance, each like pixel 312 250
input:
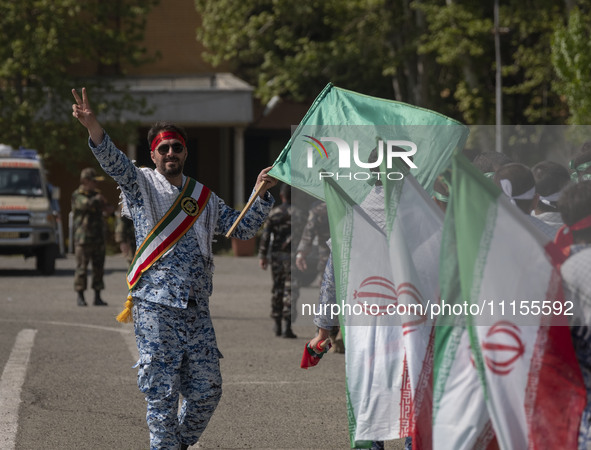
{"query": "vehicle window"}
pixel 14 181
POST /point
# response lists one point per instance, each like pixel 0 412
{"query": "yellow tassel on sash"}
pixel 125 316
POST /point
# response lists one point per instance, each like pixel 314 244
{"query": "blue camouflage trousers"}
pixel 178 356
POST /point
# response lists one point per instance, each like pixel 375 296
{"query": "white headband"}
pixel 548 199
pixel 507 188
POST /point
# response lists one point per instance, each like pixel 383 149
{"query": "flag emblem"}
pixel 375 294
pixel 502 347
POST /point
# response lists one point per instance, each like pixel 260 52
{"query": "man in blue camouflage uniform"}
pixel 174 333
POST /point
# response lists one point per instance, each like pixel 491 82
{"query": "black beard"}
pixel 173 172
pixel 177 170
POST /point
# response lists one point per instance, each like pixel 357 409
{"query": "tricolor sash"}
pixel 176 222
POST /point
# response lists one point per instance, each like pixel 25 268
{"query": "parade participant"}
pixel 517 182
pixel 551 178
pixel 88 207
pixel 489 162
pixel 581 164
pixel 575 207
pixel 373 205
pixel 315 230
pixel 280 231
pixel 175 219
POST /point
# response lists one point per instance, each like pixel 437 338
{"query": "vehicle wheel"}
pixel 46 259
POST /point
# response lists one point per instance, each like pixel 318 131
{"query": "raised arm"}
pixel 114 162
pixel 81 110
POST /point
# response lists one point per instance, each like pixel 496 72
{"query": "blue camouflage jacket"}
pixel 187 268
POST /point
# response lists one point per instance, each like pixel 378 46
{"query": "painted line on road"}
pixel 11 383
pixel 70 324
pixel 125 331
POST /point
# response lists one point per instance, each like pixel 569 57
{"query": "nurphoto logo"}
pixel 385 150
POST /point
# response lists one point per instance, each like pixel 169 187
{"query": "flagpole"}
pixel 246 208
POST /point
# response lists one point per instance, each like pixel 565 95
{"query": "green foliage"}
pixel 432 53
pixel 527 69
pixel 42 43
pixel 571 56
pixel 293 50
pixel 461 35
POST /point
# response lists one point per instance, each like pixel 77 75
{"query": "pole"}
pixel 245 209
pixel 498 83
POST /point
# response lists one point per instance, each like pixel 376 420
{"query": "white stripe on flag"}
pixel 375 354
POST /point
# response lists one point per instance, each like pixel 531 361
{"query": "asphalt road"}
pixel 68 382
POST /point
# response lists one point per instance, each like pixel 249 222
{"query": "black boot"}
pixel 98 301
pixel 288 334
pixel 184 447
pixel 277 327
pixel 80 299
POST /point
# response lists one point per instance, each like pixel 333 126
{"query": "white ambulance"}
pixel 30 224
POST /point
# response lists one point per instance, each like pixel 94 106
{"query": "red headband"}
pixel 564 236
pixel 164 136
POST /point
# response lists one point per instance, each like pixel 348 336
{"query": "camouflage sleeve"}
pixel 250 223
pixel 328 297
pixel 298 222
pixel 307 238
pixel 118 166
pixel 265 239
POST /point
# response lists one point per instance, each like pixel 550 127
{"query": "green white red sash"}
pixel 176 222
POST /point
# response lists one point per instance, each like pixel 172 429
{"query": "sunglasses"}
pixel 177 147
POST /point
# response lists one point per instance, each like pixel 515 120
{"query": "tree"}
pixel 45 48
pixel 571 57
pixel 461 35
pixel 293 50
pixel 431 53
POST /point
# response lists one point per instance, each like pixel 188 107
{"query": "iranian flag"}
pixel 385 253
pixel 460 416
pixel 385 244
pixel 342 127
pixel 508 366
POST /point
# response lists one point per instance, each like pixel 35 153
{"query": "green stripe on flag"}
pixel 353 117
pixel 472 209
pixel 339 208
pixel 473 206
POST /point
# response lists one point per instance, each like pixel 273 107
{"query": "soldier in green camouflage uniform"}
pixel 88 205
pixel 316 229
pixel 277 239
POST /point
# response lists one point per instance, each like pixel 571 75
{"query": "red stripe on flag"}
pixel 560 398
pixel 422 430
pixel 406 403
